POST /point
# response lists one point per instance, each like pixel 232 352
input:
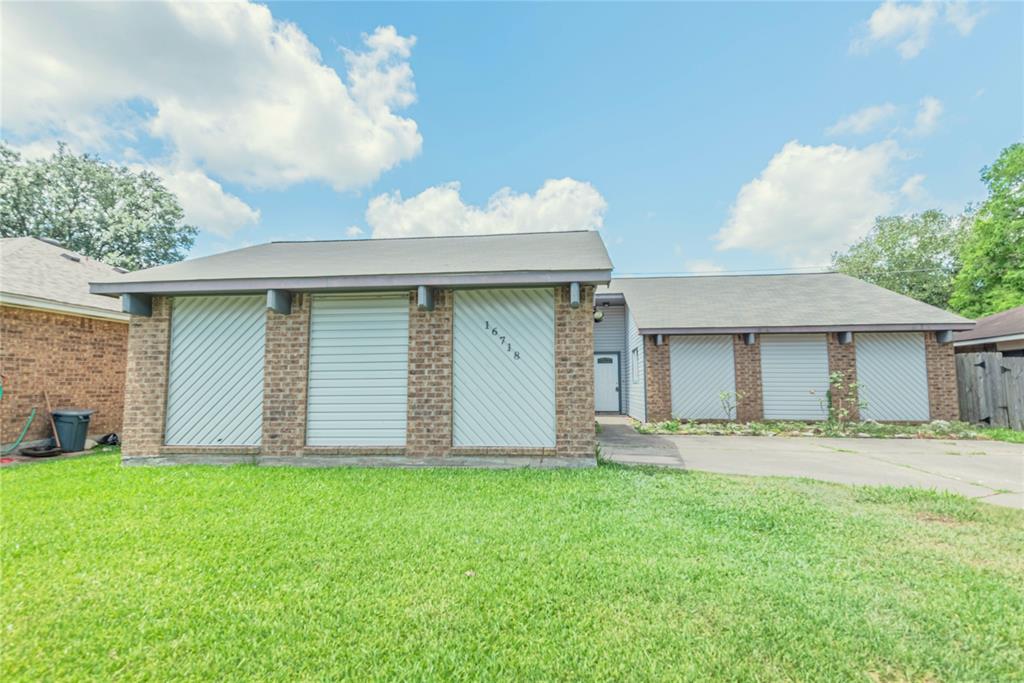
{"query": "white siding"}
pixel 702 368
pixel 503 382
pixel 891 376
pixel 637 403
pixel 794 375
pixel 215 376
pixel 610 337
pixel 358 370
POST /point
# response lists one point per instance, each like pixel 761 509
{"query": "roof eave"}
pixel 798 329
pixel 352 282
pixel 989 340
pixel 61 307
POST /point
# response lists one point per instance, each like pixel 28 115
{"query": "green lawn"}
pixel 613 573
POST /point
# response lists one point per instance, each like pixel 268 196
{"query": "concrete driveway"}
pixel 991 471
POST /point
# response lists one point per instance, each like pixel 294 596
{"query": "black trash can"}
pixel 72 425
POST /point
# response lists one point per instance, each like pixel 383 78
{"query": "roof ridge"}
pixel 430 237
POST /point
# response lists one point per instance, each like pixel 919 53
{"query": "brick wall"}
pixel 79 361
pixel 750 399
pixel 429 430
pixel 429 420
pixel 843 358
pixel 941 364
pixel 658 380
pixel 145 391
pixel 574 374
pixel 286 366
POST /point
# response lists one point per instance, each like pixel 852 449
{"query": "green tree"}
pixel 914 255
pixel 992 276
pixel 109 212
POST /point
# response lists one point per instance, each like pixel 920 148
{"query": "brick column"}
pixel 429 419
pixel 750 400
pixel 658 380
pixel 843 358
pixel 145 389
pixel 574 374
pixel 285 379
pixel 940 361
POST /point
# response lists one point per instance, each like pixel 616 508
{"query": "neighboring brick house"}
pixel 764 347
pixel 57 337
pixel 1002 332
pixel 458 350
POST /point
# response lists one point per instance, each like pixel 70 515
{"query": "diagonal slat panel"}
pixel 892 376
pixel 215 376
pixel 702 368
pixel 500 400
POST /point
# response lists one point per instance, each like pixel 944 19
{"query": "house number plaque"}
pixel 502 339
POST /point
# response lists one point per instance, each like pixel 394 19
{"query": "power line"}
pixel 775 271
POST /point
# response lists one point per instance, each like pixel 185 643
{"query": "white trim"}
pixel 989 340
pixel 22 301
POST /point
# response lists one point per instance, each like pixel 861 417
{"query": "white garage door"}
pixel 892 376
pixel 358 370
pixel 794 376
pixel 215 378
pixel 504 368
pixel 702 368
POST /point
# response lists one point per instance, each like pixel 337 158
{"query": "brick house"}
pixel 485 350
pixel 56 336
pixel 478 350
pixel 764 347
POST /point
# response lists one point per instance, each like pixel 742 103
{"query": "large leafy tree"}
pixel 992 276
pixel 914 255
pixel 125 218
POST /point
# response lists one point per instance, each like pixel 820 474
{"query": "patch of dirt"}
pixel 940 519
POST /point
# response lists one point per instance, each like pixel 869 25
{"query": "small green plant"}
pixel 840 399
pixel 730 401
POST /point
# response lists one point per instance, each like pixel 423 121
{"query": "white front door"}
pixel 606 382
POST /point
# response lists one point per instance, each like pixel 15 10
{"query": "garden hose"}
pixel 24 430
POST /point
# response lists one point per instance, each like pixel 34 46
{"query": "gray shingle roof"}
pixel 31 269
pixel 1003 324
pixel 536 257
pixel 750 303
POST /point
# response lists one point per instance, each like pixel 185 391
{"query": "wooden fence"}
pixel 991 389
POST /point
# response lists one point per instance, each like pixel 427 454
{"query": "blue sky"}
pixel 699 137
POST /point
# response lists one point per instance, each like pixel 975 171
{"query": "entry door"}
pixel 606 382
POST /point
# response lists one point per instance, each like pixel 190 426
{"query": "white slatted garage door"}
pixel 892 376
pixel 503 380
pixel 794 376
pixel 215 378
pixel 702 368
pixel 358 370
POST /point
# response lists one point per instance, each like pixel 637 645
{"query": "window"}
pixel 635 363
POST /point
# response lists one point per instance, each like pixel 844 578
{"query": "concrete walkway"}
pixel 991 471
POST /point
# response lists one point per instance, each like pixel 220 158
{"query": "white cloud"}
pixel 927 119
pixel 913 187
pixel 702 266
pixel 564 204
pixel 863 121
pixel 353 231
pixel 809 201
pixel 225 86
pixel 908 25
pixel 960 16
pixel 204 200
